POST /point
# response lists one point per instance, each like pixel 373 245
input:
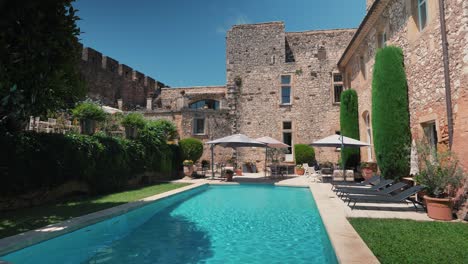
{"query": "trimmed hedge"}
pixel 191 148
pixel 304 153
pixel 349 122
pixel 38 162
pixel 390 114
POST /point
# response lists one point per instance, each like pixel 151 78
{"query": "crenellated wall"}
pixel 108 80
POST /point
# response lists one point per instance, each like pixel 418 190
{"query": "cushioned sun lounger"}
pixel 382 184
pixel 371 181
pixel 384 191
pixel 397 198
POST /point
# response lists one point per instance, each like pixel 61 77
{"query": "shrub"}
pixel 390 113
pixel 349 122
pixel 169 129
pixel 192 149
pixel 134 120
pixel 304 154
pixel 89 110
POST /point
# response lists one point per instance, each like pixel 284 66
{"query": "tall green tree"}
pixel 390 113
pixel 39 57
pixel 349 123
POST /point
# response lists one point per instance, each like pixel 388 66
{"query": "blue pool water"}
pixel 216 224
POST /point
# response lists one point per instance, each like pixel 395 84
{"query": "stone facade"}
pixel 397 19
pixel 108 80
pixel 258 55
pixel 175 104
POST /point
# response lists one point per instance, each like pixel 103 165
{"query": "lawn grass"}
pixel 15 222
pixel 407 241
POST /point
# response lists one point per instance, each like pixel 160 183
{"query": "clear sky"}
pixel 182 42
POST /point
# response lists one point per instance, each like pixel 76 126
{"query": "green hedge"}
pixel 37 161
pixel 304 154
pixel 349 122
pixel 390 113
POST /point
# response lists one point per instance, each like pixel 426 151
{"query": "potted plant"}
pixel 229 175
pixel 300 169
pixel 441 176
pixel 188 168
pixel 89 114
pixel 132 123
pixel 368 169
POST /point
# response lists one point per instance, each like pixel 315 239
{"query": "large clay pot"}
pixel 88 126
pixel 188 170
pixel 367 173
pixel 439 208
pixel 238 172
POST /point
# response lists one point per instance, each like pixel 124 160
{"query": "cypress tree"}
pixel 390 113
pixel 350 126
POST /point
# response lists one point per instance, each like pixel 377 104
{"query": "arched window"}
pixel 205 104
pixel 366 117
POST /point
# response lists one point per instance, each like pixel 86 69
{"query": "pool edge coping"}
pixel 348 245
pixel 17 242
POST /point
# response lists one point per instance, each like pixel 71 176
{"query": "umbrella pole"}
pixel 342 158
pixel 212 162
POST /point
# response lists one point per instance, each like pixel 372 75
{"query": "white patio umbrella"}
pixel 233 141
pixel 271 143
pixel 342 142
pixel 111 110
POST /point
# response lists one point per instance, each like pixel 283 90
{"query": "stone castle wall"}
pixel 257 56
pixel 108 80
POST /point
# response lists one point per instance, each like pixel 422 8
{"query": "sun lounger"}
pixel 397 198
pixel 371 181
pixel 382 184
pixel 384 191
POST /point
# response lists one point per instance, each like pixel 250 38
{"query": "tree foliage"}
pixel 39 57
pixel 390 113
pixel 304 154
pixel 191 148
pixel 349 122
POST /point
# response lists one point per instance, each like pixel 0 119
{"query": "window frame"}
pixel 285 85
pixel 195 126
pixel 426 11
pixel 337 83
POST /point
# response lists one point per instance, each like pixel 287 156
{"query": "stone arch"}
pixel 204 104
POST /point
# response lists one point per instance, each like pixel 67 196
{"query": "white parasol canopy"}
pixel 111 110
pixel 272 143
pixel 336 141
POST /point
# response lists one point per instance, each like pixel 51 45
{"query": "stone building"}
pixel 416 27
pixel 286 84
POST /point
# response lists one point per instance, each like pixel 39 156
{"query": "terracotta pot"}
pixel 439 208
pixel 229 176
pixel 238 172
pixel 367 173
pixel 188 170
pixel 300 171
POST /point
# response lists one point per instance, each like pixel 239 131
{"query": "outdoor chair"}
pixel 369 182
pixel 382 184
pixel 384 191
pixel 311 173
pixel 403 196
pixel 276 172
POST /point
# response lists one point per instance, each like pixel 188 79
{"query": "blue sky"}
pixel 182 42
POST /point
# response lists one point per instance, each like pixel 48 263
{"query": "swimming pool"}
pixel 244 223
